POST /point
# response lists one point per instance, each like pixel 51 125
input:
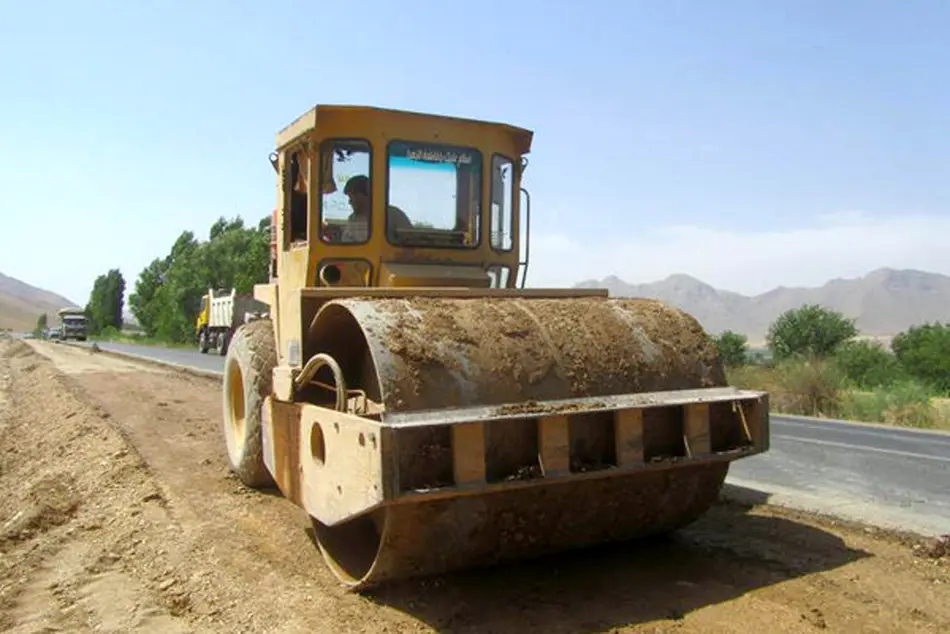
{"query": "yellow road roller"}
pixel 427 411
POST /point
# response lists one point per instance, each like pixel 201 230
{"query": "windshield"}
pixel 434 195
pixel 74 321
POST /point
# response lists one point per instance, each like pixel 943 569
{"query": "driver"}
pixel 357 226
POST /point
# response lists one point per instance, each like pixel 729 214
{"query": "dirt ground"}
pixel 117 513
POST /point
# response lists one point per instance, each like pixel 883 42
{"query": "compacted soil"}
pixel 118 514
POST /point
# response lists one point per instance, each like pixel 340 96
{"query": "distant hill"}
pixel 884 302
pixel 21 304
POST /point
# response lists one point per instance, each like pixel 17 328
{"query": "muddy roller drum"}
pixel 511 427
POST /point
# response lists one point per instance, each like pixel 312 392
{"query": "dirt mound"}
pixel 50 502
pixel 935 548
pixel 65 475
pixel 15 349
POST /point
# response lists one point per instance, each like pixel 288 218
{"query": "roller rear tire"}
pixel 248 368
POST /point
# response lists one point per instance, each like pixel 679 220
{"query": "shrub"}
pixel 907 403
pixel 811 386
pixel 868 365
pixel 924 352
pixel 816 387
pixel 732 347
pixel 806 386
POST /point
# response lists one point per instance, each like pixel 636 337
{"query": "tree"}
pixel 142 301
pixel 732 347
pixel 42 323
pixel 104 309
pixel 868 364
pixel 168 291
pixel 924 352
pixel 809 330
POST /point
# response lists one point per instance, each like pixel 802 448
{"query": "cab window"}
pixel 297 178
pixel 345 191
pixel 433 195
pixel 502 202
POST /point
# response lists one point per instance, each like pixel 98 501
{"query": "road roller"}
pixel 428 411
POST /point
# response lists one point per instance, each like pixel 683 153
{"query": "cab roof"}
pixel 308 122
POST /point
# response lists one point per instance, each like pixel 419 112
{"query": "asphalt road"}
pixel 887 476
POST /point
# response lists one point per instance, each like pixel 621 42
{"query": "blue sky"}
pixel 747 143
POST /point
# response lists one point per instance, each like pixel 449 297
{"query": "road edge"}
pixel 858 423
pixel 830 509
pixel 179 367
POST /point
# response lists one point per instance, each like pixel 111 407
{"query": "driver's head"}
pixel 357 190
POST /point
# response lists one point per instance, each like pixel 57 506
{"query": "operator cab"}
pixel 401 198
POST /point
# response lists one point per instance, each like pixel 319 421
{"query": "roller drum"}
pixel 433 537
pixel 431 354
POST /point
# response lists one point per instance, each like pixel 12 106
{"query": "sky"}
pixel 749 144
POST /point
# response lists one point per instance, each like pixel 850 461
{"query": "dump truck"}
pixel 222 311
pixel 72 324
pixel 425 409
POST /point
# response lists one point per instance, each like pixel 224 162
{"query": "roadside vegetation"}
pixel 818 366
pixel 166 297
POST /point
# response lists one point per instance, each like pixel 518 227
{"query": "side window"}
pixel 345 192
pixel 298 174
pixel 502 202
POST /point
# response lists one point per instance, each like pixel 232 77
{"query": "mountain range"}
pixel 21 304
pixel 883 302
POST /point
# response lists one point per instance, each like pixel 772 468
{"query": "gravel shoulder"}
pixel 118 513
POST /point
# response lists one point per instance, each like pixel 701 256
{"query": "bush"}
pixel 819 387
pixel 39 329
pixel 732 347
pixel 109 332
pixel 924 352
pixel 868 365
pixel 907 403
pixel 811 386
pixel 805 386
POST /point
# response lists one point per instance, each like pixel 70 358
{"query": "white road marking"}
pixel 844 445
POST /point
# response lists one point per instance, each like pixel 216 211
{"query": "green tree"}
pixel 41 325
pixel 168 291
pixel 104 309
pixel 732 347
pixel 868 364
pixel 924 352
pixel 143 300
pixel 810 330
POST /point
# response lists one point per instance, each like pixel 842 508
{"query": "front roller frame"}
pixel 396 471
pixel 327 462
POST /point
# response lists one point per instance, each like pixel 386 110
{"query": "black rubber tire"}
pixel 224 340
pixel 248 368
